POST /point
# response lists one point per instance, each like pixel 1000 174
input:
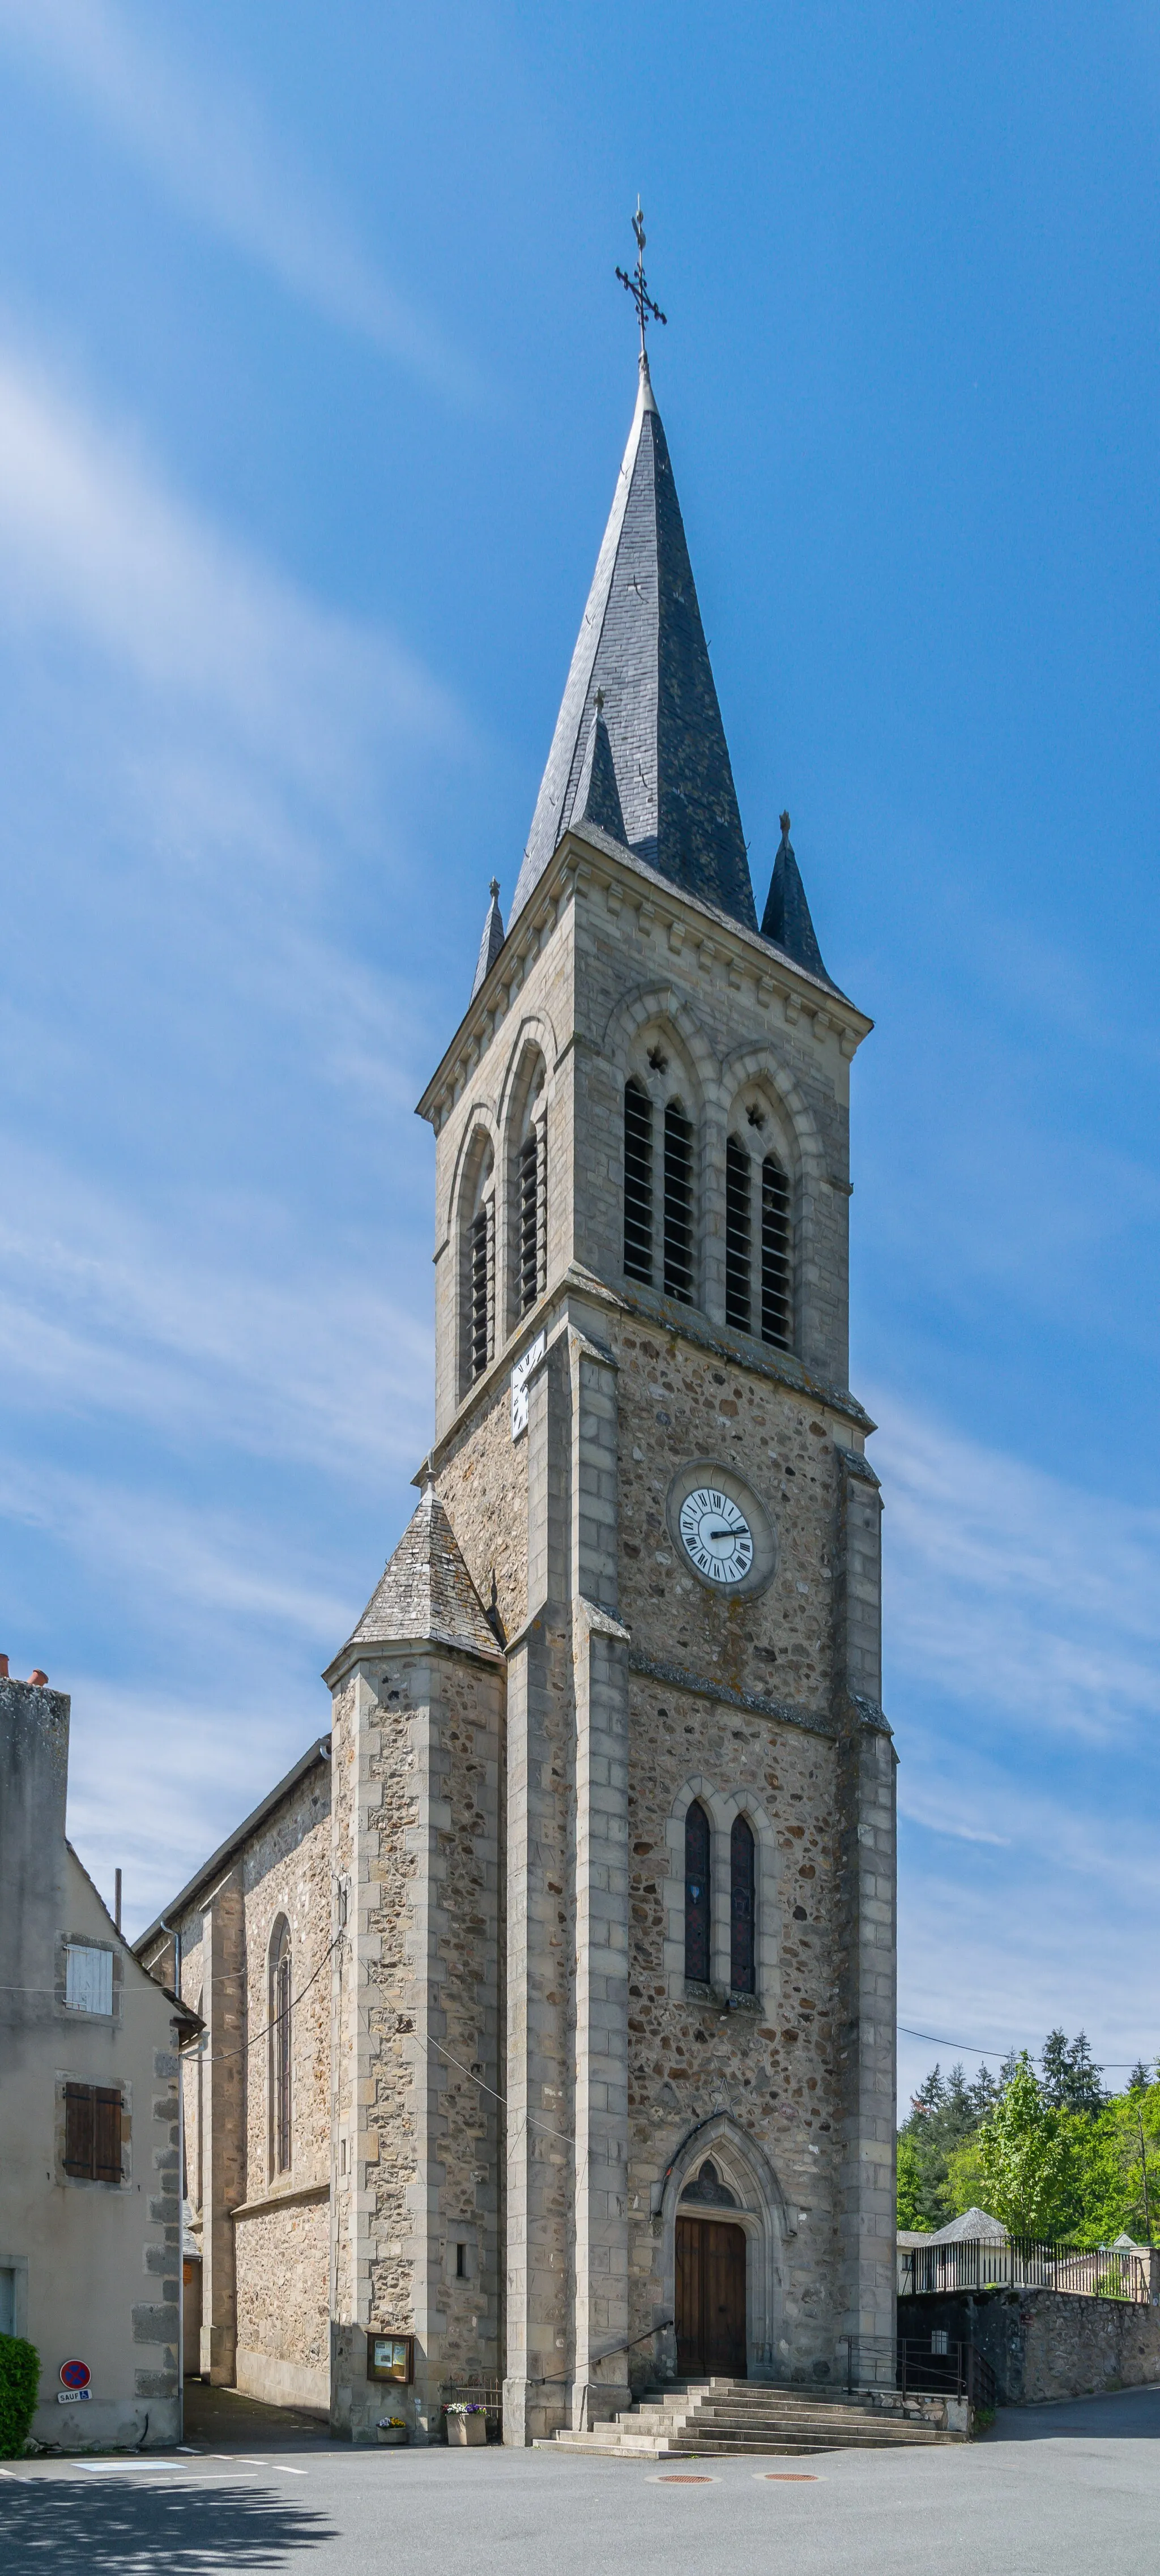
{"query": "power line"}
pixel 967 2048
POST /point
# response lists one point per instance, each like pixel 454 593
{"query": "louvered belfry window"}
pixel 742 1908
pixel 531 1219
pixel 92 2133
pixel 482 1285
pixel 678 1245
pixel 697 1916
pixel 776 1250
pixel 738 1235
pixel 638 1183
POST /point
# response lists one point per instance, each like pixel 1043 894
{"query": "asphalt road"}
pixel 1058 2491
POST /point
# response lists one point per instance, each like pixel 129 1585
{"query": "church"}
pixel 549 2000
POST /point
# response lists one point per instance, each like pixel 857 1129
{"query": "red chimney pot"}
pixel 3 1668
pixel 36 1675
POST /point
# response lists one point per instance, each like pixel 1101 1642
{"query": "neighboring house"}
pixel 89 2113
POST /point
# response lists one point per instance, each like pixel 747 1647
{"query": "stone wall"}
pixel 417 1751
pixel 1045 2344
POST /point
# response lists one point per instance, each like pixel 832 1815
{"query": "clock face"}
pixel 715 1535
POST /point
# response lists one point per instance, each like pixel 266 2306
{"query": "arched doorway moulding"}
pixel 761 2210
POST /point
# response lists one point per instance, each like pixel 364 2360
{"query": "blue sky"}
pixel 314 379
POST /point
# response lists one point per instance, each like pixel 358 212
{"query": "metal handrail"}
pixel 915 2365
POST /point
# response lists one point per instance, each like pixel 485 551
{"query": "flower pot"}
pixel 393 2436
pixel 468 2430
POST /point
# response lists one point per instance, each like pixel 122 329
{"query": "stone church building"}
pixel 549 2001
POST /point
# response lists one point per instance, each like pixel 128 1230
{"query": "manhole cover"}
pixel 695 2481
pixel 788 2477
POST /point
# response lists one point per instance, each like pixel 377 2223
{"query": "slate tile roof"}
pixel 492 940
pixel 786 921
pixel 643 645
pixel 426 1591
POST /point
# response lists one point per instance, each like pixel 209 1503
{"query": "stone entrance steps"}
pixel 731 2417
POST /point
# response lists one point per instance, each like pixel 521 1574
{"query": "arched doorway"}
pixel 710 2300
pixel 724 2223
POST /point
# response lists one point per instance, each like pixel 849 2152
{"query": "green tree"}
pixel 944 2112
pixel 1070 2078
pixel 1033 2158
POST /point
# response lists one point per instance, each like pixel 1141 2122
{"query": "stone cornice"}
pixel 703 1686
pixel 268 2200
pixel 589 862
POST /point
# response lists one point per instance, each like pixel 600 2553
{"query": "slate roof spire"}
pixel 492 940
pixel 786 918
pixel 643 645
pixel 426 1592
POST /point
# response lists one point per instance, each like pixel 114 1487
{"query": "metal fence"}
pixel 1018 2263
pixel 930 2365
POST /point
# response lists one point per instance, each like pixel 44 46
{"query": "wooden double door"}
pixel 710 2298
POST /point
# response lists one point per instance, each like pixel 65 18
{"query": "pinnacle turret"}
pixel 786 919
pixel 492 940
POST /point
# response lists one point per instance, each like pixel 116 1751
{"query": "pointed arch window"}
pixel 697 1894
pixel 678 1204
pixel 281 2051
pixel 477 1271
pixel 742 1908
pixel 776 1285
pixel 758 1237
pixel 738 1235
pixel 638 1183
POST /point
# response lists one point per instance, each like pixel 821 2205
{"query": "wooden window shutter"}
pixel 78 2131
pixel 107 2135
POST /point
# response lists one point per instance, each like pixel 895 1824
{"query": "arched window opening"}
pixel 776 1283
pixel 477 1272
pixel 482 1274
pixel 530 1229
pixel 697 1925
pixel 678 1245
pixel 638 1183
pixel 742 1908
pixel 280 2050
pixel 738 1235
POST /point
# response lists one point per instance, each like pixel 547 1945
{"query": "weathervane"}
pixel 636 285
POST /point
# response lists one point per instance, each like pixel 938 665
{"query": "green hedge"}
pixel 19 2375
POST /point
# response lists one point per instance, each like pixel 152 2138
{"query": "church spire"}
pixel 642 643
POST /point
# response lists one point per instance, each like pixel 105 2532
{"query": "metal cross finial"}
pixel 636 285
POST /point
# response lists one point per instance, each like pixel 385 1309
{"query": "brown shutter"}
pixel 78 2131
pixel 107 2136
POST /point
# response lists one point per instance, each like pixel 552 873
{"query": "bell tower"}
pixel 639 1884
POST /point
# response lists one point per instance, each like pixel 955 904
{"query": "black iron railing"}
pixel 1019 2263
pixel 932 2365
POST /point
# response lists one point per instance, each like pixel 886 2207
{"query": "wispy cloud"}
pixel 1013 1591
pixel 178 1330
pixel 1023 1638
pixel 93 541
pixel 210 149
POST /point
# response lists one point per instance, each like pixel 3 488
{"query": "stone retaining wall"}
pixel 1044 2344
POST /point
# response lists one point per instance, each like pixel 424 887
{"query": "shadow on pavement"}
pixel 99 2529
pixel 1125 2415
pixel 218 2419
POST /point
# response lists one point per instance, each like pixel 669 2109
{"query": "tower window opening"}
pixel 678 1204
pixel 738 1223
pixel 776 1296
pixel 742 1909
pixel 530 1226
pixel 638 1183
pixel 281 2052
pixel 482 1259
pixel 697 1916
pixel 461 2262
